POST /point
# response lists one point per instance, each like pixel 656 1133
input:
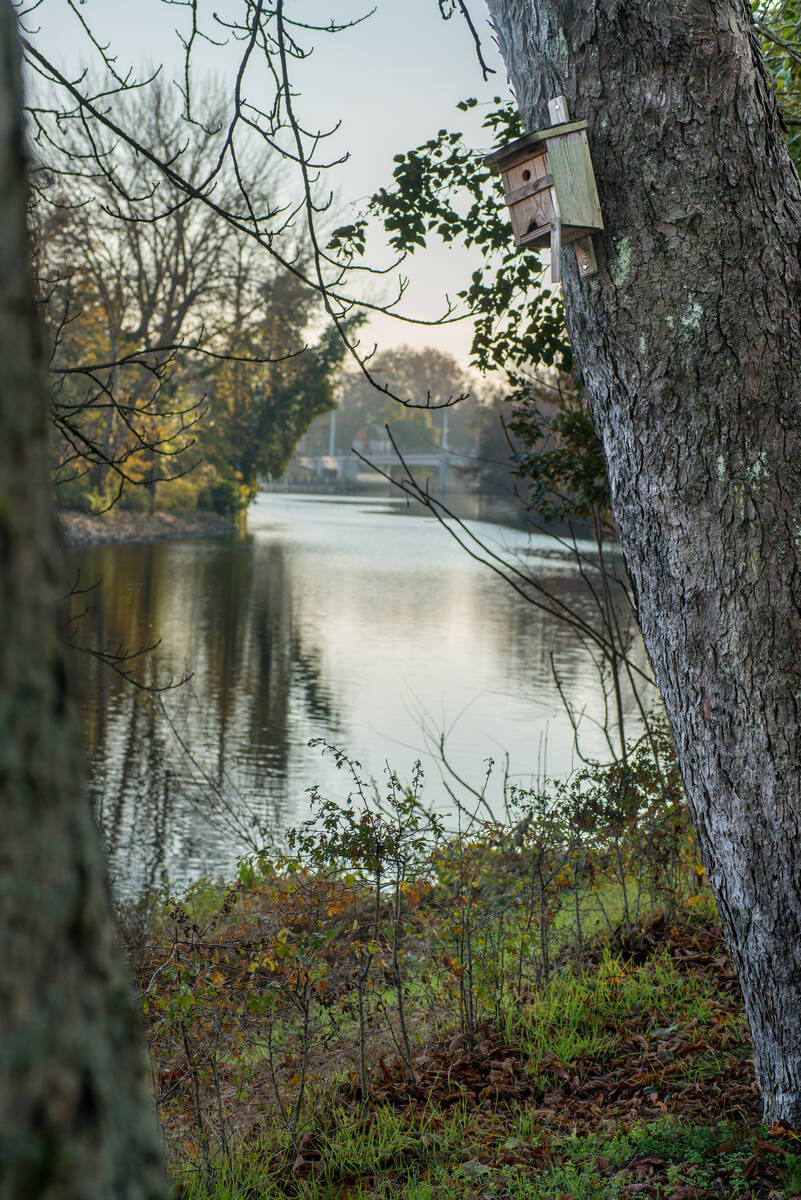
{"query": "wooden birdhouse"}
pixel 550 189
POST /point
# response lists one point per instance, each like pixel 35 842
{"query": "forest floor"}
pixel 629 1075
pixel 82 529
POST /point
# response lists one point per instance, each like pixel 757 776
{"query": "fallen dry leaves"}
pixel 700 1074
pixel 696 1071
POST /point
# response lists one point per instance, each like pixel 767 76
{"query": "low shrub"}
pixel 346 969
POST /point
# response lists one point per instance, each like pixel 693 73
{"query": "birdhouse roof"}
pixel 506 154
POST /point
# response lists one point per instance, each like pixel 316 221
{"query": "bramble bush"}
pixel 378 923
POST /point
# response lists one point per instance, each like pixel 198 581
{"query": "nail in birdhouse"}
pixel 550 189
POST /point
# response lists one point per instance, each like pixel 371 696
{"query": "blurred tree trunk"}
pixel 76 1116
pixel 689 341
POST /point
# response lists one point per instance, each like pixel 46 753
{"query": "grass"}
pixel 615 1065
pixel 577 1014
pixel 675 1022
pixel 386 1158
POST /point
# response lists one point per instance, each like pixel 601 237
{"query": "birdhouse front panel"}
pixel 527 184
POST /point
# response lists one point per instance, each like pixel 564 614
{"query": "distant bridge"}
pixel 345 465
pixel 376 448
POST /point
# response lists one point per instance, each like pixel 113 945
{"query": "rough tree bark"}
pixel 690 346
pixel 76 1117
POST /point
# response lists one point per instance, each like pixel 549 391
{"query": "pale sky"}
pixel 393 81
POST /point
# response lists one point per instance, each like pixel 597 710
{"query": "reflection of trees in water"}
pixel 315 691
pixel 130 786
pixel 228 615
pixel 255 621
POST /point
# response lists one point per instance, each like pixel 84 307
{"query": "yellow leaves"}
pixel 777 1129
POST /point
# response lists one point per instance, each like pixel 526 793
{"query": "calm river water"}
pixel 343 619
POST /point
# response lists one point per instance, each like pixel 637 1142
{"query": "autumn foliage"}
pixel 387 958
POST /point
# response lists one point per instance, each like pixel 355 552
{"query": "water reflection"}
pixel 334 619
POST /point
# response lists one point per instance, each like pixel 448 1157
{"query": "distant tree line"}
pixel 184 364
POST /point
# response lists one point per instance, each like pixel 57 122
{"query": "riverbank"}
pixel 391 1012
pixel 86 529
pixel 627 1072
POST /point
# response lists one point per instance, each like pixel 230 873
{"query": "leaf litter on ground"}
pixel 667 1110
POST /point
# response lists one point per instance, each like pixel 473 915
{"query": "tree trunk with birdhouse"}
pixel 689 342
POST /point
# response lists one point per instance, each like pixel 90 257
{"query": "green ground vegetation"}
pixel 539 1006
